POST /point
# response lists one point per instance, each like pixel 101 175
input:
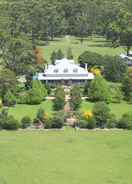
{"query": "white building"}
pixel 127 59
pixel 66 72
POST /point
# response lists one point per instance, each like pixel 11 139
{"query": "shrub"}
pixel 127 87
pixel 91 123
pixel 10 123
pixel 75 100
pixel 101 114
pixel 59 101
pixel 82 123
pixel 26 122
pixel 125 122
pixel 99 90
pixel 57 121
pixel 37 93
pixel 115 68
pixel 116 94
pixel 91 58
pixel 112 122
pixel 9 99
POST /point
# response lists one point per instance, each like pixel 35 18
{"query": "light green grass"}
pixel 67 157
pixel 96 44
pixel 117 109
pixel 30 110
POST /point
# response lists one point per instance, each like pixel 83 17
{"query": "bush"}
pixel 116 94
pixel 82 123
pixel 87 124
pixel 10 123
pixel 125 122
pixel 91 58
pixel 75 100
pixel 37 93
pixel 127 87
pixel 114 69
pixel 99 90
pixel 91 123
pixel 101 114
pixel 57 121
pixel 112 122
pixel 9 99
pixel 26 122
pixel 59 101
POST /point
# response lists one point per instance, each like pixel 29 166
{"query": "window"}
pixel 56 70
pixel 65 70
pixel 75 70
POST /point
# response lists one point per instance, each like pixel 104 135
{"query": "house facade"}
pixel 66 72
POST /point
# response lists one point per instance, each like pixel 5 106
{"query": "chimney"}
pixel 86 66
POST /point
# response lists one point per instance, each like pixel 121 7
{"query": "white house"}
pixel 66 72
pixel 127 59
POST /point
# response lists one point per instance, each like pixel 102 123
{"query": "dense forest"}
pixel 24 22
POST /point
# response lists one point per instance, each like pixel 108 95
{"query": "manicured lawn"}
pixel 67 157
pixel 117 109
pixel 96 44
pixel 23 110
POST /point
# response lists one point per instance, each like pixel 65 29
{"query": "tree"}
pixel 7 81
pixel 90 58
pixel 69 54
pixel 37 94
pixel 8 122
pixel 114 69
pixel 53 57
pixel 99 90
pixel 75 100
pixel 9 98
pixel 127 87
pixel 101 113
pixel 59 54
pixel 26 122
pixel 125 122
pixel 59 101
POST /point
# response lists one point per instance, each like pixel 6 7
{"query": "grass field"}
pixel 67 157
pixel 30 110
pixel 22 110
pixel 117 109
pixel 96 44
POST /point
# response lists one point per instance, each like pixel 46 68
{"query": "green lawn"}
pixel 96 44
pixel 23 110
pixel 117 109
pixel 67 157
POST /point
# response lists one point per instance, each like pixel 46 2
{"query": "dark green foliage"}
pixel 87 124
pixel 8 122
pixel 59 54
pixel 101 114
pixel 112 122
pixel 125 122
pixel 127 87
pixel 99 90
pixel 56 121
pixel 11 123
pixel 116 92
pixel 26 122
pixel 59 101
pixel 37 94
pixel 40 115
pixel 53 57
pixel 75 100
pixel 114 69
pixel 91 58
pixel 7 81
pixel 9 99
pixel 69 54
